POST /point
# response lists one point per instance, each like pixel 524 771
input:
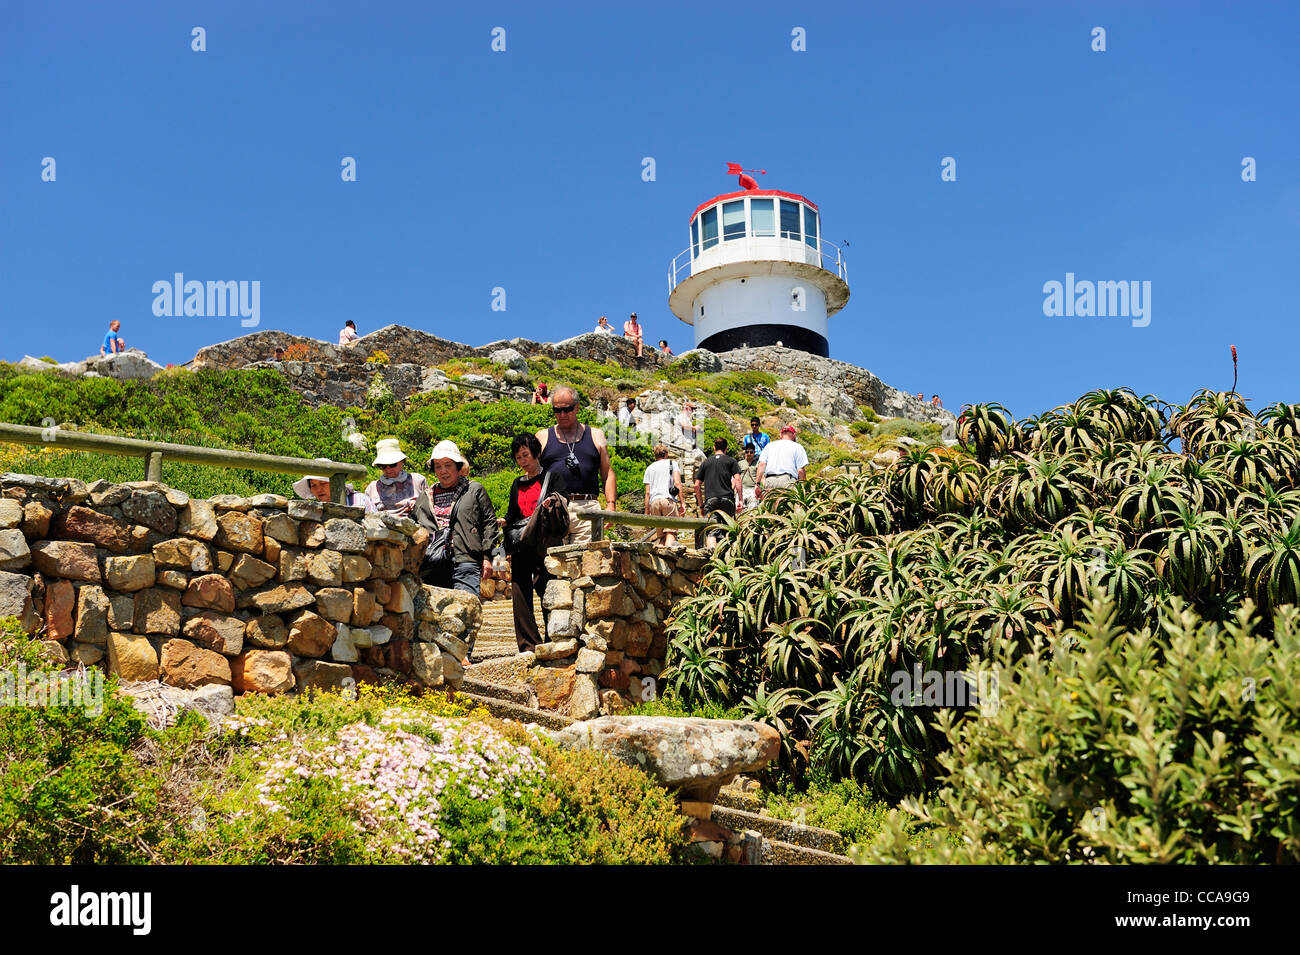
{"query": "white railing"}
pixel 826 256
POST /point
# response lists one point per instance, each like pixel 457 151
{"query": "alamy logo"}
pixel 946 688
pixel 103 908
pixel 208 300
pixel 83 688
pixel 1122 299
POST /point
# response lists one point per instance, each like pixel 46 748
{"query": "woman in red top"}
pixel 528 574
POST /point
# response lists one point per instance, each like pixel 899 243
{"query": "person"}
pixel 540 395
pixel 686 424
pixel 279 353
pixel 458 511
pixel 749 478
pixel 113 342
pixel 528 574
pixel 920 396
pixel 755 439
pixel 397 491
pixel 317 487
pixel 603 327
pixel 348 336
pixel 580 454
pixel 934 400
pixel 627 414
pixel 781 463
pixel 663 492
pixel 663 347
pixel 717 483
pixel 632 331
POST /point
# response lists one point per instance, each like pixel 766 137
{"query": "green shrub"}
pixel 1131 747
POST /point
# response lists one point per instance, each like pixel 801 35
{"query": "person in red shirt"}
pixel 632 332
pixel 528 576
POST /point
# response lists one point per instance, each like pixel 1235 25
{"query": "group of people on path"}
pixel 632 331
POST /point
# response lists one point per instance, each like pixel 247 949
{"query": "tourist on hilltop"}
pixel 632 332
pixel 663 492
pixel 317 487
pixel 628 414
pixel 686 425
pixel 525 544
pixel 541 396
pixel 934 400
pixel 781 463
pixel 578 453
pixel 756 439
pixel 348 336
pixel 462 526
pixel 717 483
pixel 113 342
pixel 279 353
pixel 920 396
pixel 663 347
pixel 603 327
pixel 398 490
pixel 749 478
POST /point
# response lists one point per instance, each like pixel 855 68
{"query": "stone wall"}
pixel 263 593
pixel 606 636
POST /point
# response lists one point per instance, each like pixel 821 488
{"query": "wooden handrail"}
pixel 631 519
pixel 154 451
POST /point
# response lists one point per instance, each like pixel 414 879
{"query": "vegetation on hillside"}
pixel 954 560
pixel 299 780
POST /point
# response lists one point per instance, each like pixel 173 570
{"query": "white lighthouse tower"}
pixel 758 272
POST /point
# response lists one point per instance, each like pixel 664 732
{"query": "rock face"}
pixel 162 704
pixel 692 755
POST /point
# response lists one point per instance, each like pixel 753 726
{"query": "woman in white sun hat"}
pixel 398 489
pixel 461 522
pixel 316 487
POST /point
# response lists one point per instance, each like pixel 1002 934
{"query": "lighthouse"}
pixel 758 272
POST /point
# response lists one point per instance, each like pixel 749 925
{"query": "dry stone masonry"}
pixel 261 594
pixel 606 636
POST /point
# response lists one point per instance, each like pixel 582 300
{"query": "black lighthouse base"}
pixel 790 336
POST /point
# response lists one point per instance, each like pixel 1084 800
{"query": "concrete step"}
pixel 504 709
pixel 784 853
pixel 498 691
pixel 780 830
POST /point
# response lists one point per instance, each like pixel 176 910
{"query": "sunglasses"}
pixel 563 409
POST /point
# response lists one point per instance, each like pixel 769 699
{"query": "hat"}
pixel 789 428
pixel 446 449
pixel 301 486
pixel 388 451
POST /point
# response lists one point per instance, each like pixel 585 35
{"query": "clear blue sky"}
pixel 522 170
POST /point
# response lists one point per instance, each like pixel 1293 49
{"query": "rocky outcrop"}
pixel 694 756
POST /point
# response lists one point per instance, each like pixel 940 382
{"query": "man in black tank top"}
pixel 580 454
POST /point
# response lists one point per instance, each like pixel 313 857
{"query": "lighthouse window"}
pixel 695 237
pixel 789 220
pixel 810 227
pixel 709 227
pixel 763 215
pixel 733 220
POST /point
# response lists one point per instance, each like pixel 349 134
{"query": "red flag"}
pixel 733 169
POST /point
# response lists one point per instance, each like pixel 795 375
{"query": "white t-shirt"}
pixel 348 335
pixel 783 457
pixel 660 477
pixel 604 329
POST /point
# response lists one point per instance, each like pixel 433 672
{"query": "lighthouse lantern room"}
pixel 758 272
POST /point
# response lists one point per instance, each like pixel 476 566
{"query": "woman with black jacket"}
pixel 528 574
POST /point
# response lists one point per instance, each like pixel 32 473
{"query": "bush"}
pixel 1135 747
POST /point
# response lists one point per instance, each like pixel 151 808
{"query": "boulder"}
pixel 66 559
pixel 239 531
pixel 151 509
pixel 282 598
pixel 267 632
pixel 11 513
pixel 163 704
pixel 93 608
pixel 211 591
pixel 186 665
pixel 60 600
pixel 184 553
pixel 320 675
pixel 198 519
pixel 103 530
pixel 14 552
pixel 248 572
pixel 690 754
pixel 158 611
pixel 311 635
pixel 214 631
pixel 262 671
pixel 345 536
pixel 132 657
pixel 129 574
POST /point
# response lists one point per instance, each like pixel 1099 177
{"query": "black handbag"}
pixel 438 552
